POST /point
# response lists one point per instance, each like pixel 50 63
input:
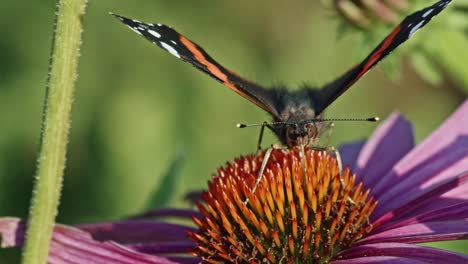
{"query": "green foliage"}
pixel 426 68
pixel 450 50
pixel 163 190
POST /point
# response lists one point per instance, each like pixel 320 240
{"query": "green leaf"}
pixel 164 192
pixel 450 50
pixel 342 29
pixel 425 68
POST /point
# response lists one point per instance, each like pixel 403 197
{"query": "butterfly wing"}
pixel 400 34
pixel 188 51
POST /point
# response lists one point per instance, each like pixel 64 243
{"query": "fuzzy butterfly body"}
pixel 296 110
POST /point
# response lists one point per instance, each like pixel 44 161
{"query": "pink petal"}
pixel 418 254
pixel 439 157
pixel 11 231
pixel 423 232
pixel 389 143
pixel 70 245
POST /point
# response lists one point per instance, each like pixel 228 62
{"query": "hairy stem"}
pixel 55 125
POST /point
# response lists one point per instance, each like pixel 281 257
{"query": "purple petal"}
pixel 70 245
pixel 458 192
pixel 420 233
pixel 432 173
pixel 163 248
pixel 168 212
pixel 137 231
pixel 418 254
pixel 437 198
pixel 389 143
pixel 454 212
pixel 439 157
pixel 349 153
pixel 185 260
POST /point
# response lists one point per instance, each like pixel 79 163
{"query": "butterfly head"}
pixel 302 133
pixel 299 127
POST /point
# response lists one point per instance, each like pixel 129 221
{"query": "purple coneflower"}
pixel 394 196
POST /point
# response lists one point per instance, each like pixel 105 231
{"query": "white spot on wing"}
pixel 173 42
pixel 135 30
pixel 427 12
pixel 170 49
pixel 444 3
pixel 154 33
pixel 416 28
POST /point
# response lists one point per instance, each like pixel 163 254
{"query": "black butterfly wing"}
pixel 188 51
pixel 400 34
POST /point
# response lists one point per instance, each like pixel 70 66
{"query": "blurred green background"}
pixel 137 108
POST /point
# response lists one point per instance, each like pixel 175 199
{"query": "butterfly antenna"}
pixel 370 119
pixel 242 125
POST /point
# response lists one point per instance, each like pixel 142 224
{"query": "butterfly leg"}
pixel 266 157
pixel 260 136
pixel 329 129
pixel 303 160
pixel 339 163
pixel 331 149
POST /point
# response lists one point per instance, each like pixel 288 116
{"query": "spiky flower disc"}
pixel 293 217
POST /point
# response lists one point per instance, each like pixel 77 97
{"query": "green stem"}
pixel 55 125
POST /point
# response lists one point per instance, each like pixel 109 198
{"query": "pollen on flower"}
pixel 296 215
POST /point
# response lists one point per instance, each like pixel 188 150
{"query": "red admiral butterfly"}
pixel 296 114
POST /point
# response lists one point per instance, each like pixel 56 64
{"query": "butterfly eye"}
pixel 312 129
